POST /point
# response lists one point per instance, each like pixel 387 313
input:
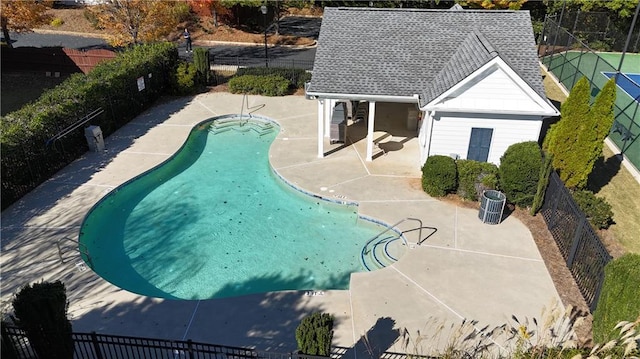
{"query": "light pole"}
pixel 263 9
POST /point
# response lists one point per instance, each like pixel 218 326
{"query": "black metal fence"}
pixel 15 344
pixel 235 62
pixel 579 244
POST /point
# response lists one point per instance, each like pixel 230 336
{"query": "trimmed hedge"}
pixel 597 210
pixel 296 77
pixel 272 85
pixel 619 299
pixel 186 76
pixel 439 176
pixel 29 157
pixel 520 171
pixel 474 177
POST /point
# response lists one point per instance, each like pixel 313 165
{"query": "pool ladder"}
pixel 81 248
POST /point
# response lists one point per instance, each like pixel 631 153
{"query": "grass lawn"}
pixel 617 186
pixel 623 193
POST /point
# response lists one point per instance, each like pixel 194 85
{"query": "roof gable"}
pixel 403 52
pixel 492 88
pixel 472 53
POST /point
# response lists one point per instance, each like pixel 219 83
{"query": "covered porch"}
pixel 380 131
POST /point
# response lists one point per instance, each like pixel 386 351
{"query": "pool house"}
pixel 466 83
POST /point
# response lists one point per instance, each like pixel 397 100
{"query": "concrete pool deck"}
pixel 464 269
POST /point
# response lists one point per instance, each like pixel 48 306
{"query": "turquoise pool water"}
pixel 215 221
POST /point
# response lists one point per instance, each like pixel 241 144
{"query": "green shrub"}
pixel 41 311
pixel 474 177
pixel 57 22
pixel 543 183
pixel 296 77
pixel 92 18
pixel 185 78
pixel 271 85
pixel 619 297
pixel 314 334
pixel 597 210
pixel 202 65
pixel 520 171
pixel 439 175
pixel 181 11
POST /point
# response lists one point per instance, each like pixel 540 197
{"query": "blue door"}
pixel 479 144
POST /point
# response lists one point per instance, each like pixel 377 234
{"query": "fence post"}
pixel 553 182
pixel 576 241
pixel 596 294
pixel 190 348
pixel 96 345
pixel 575 76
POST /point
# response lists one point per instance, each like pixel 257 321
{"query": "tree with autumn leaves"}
pixel 138 21
pixel 22 16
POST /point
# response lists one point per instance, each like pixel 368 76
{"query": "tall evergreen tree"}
pixel 576 141
pixel 601 117
pixel 562 137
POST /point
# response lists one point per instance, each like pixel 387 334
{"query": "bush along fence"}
pixel 578 243
pixel 46 135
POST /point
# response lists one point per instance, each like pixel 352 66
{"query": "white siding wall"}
pixel 450 135
pixel 493 90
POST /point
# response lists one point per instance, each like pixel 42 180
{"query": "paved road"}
pixel 35 39
pixel 84 43
pixel 293 25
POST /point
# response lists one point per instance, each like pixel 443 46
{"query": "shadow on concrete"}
pixel 376 341
pixel 23 223
pixel 264 321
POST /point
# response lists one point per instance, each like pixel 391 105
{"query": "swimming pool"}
pixel 215 221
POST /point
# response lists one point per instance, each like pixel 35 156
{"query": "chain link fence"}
pixel 569 58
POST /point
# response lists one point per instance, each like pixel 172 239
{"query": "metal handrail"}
pixel 401 235
pixel 82 249
pixel 93 114
pixel 245 98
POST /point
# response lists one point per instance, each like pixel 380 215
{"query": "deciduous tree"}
pixel 137 21
pixel 213 8
pixel 496 4
pixel 622 8
pixel 22 16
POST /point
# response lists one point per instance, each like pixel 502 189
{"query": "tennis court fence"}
pixel 570 59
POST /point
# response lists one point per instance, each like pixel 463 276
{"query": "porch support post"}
pixel 321 128
pixel 372 115
pixel 328 112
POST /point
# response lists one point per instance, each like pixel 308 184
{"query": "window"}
pixel 479 144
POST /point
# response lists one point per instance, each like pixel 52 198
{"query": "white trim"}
pixel 548 108
pixel 370 127
pixel 320 128
pixel 363 97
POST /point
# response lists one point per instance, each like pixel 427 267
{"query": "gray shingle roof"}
pixel 402 52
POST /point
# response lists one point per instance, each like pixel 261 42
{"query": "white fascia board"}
pixel 548 109
pixel 363 97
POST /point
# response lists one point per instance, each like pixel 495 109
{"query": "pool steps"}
pixel 382 252
pixel 243 125
pixel 386 248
